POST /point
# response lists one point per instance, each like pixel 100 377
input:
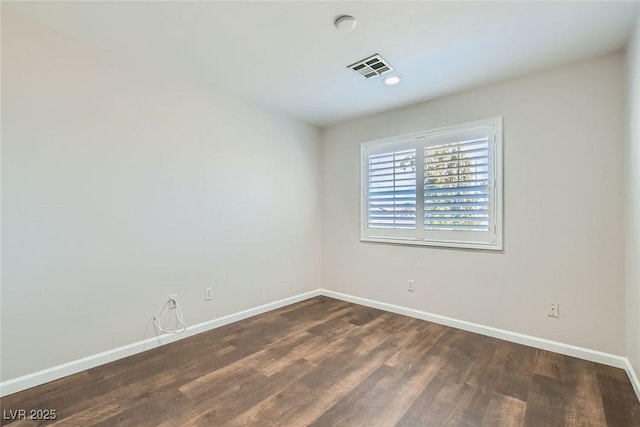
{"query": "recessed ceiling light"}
pixel 392 80
pixel 345 23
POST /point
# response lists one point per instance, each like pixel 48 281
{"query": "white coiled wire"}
pixel 179 317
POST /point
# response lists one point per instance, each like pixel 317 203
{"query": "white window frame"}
pixel 489 240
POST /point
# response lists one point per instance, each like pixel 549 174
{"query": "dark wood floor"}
pixel 324 362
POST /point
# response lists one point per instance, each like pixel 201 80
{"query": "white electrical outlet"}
pixel 411 287
pixel 172 301
pixel 208 294
pixel 554 310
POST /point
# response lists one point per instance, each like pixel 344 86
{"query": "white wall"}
pixel 564 221
pixel 121 186
pixel 633 200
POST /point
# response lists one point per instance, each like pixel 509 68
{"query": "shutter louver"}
pixel 456 186
pixel 392 190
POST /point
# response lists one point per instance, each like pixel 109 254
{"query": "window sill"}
pixel 414 242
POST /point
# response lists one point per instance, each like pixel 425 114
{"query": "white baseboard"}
pixel 541 343
pixel 37 378
pixel 635 382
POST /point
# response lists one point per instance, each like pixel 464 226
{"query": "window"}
pixel 441 187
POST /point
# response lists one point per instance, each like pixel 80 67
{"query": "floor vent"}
pixel 372 66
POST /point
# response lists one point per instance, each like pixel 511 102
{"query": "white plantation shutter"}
pixel 456 186
pixel 440 187
pixel 392 189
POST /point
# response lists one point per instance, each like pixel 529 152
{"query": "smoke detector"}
pixel 345 23
pixel 372 66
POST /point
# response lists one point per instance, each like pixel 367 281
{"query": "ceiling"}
pixel 289 57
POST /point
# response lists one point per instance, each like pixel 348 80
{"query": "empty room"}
pixel 306 213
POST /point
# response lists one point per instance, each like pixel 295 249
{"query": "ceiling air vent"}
pixel 372 66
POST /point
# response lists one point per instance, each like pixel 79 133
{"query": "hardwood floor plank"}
pixel 317 391
pixel 416 378
pixel 382 398
pixel 92 415
pixel 414 341
pixel 144 412
pixel 515 365
pixel 314 312
pixel 505 411
pixel 546 402
pixel 441 397
pixel 483 378
pixel 549 364
pixel 237 397
pixel 354 408
pixel 585 408
pixel 621 406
